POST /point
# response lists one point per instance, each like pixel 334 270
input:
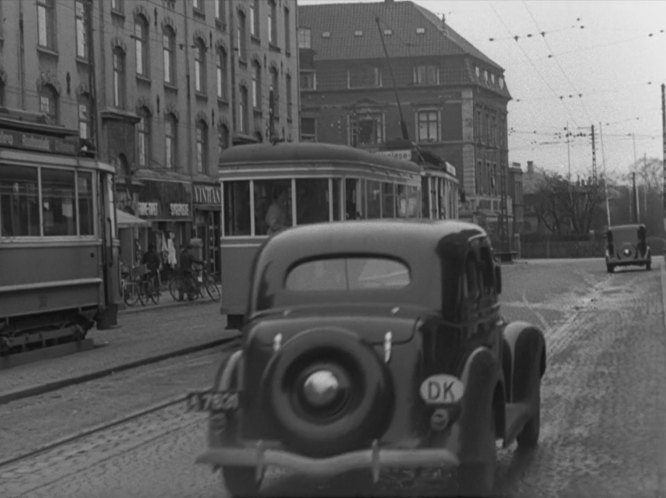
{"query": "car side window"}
pixel 486 267
pixel 472 278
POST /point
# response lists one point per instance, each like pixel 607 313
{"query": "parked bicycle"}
pixel 138 286
pixel 194 285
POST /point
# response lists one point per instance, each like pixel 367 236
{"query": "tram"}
pixel 59 271
pixel 267 187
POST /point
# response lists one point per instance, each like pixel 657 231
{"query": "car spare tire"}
pixel 328 391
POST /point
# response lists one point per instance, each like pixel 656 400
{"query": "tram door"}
pixel 110 270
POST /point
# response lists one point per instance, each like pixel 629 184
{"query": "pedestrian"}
pixel 187 259
pixel 276 215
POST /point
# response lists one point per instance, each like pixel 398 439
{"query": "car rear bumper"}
pixel 372 458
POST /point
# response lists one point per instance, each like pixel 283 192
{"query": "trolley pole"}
pixel 663 135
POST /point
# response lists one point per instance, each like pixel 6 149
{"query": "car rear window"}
pixel 348 274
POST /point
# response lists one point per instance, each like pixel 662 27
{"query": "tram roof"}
pixel 308 152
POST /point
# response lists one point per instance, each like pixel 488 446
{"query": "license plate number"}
pixel 212 401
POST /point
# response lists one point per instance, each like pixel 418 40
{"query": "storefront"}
pixel 166 205
pixel 207 207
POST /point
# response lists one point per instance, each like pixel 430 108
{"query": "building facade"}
pixel 374 72
pixel 158 88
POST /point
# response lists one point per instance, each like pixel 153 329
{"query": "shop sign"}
pixel 31 141
pixel 179 209
pixel 164 200
pixel 207 194
pixel 147 208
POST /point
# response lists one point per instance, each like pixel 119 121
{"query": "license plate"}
pixel 212 401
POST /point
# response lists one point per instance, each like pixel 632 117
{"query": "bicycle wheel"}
pixel 152 291
pixel 212 289
pixel 131 293
pixel 174 285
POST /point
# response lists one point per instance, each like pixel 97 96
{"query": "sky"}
pixel 570 65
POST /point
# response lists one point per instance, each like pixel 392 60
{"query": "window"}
pixel 200 66
pixel 143 139
pixel 426 75
pixel 117 5
pixel 84 117
pixel 197 5
pixel 308 80
pixel 308 129
pixel 237 208
pixel 256 85
pixel 428 126
pixel 347 274
pixel 201 147
pixel 170 139
pixel 311 200
pixel 275 88
pixel 388 200
pixel 364 77
pixel 169 53
pixel 242 110
pixel 287 31
pixel 2 93
pixel 241 37
pixel 272 22
pixel 118 77
pixel 220 13
pixel 45 24
pixel 81 34
pixel 48 103
pixel 84 194
pixel 287 84
pixel 221 70
pixel 304 38
pixel 19 202
pixel 367 129
pixel 222 138
pixel 254 18
pixel 272 206
pixel 58 202
pixel 141 45
pixel 373 195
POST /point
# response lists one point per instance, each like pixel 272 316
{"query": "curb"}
pixel 59 384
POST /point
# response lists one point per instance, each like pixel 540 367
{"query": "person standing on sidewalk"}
pixel 187 259
pixel 153 263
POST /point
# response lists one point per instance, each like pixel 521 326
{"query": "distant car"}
pixel 626 245
pixel 370 345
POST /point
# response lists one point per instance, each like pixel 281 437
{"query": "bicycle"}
pixel 200 280
pixel 149 288
pixel 130 287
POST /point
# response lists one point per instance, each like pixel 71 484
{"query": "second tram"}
pixel 267 187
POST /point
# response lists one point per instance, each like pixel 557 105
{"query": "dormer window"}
pixel 326 34
pixel 358 32
pixel 420 31
pixel 388 32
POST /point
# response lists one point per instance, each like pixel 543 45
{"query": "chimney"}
pixel 530 167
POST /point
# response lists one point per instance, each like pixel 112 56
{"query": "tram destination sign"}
pixel 31 141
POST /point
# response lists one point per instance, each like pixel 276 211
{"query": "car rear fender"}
pixel 526 347
pixel 230 374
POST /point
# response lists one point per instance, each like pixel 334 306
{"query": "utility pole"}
pixel 594 160
pixel 636 216
pixel 603 161
pixel 663 135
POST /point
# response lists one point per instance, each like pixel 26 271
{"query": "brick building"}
pixel 157 88
pixel 453 98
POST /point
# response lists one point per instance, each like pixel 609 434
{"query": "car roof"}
pixel 406 239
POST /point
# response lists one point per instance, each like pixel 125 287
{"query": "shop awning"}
pixel 126 220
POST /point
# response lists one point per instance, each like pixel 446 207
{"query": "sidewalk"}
pixel 116 349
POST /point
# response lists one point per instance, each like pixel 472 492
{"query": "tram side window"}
pixel 311 200
pixel 373 191
pixel 237 208
pixel 19 202
pixel 58 211
pixel 337 199
pixel 85 199
pixel 272 206
pixel 408 201
pixel 354 193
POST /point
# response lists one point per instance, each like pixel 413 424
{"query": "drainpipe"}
pixel 21 59
pixel 190 162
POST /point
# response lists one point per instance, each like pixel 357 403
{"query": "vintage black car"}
pixel 371 345
pixel 626 245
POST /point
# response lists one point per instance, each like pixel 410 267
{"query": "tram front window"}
pixel 19 205
pixel 85 194
pixel 311 200
pixel 272 206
